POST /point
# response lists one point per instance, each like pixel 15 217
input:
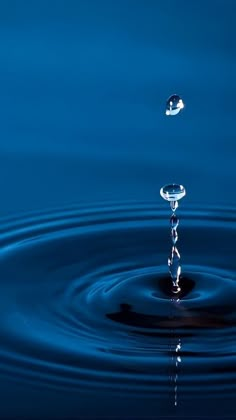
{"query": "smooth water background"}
pixel 83 91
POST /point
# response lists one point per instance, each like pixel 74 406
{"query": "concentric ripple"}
pixel 85 300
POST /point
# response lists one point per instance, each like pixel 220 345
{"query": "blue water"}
pixel 87 324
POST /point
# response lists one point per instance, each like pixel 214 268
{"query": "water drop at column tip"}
pixel 174 105
pixel 173 193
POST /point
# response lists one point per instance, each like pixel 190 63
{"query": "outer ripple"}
pixel 85 303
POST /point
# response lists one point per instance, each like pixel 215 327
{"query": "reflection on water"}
pixel 176 359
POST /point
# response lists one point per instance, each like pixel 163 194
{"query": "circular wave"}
pixel 85 300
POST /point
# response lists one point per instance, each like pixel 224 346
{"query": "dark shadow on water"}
pixel 180 318
pixel 187 319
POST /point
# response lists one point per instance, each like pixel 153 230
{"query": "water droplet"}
pixel 174 205
pixel 174 236
pixel 174 221
pixel 174 105
pixel 174 265
pixel 178 347
pixel 172 192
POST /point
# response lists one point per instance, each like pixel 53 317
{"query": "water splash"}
pixel 173 193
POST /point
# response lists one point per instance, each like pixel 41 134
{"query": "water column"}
pixel 173 193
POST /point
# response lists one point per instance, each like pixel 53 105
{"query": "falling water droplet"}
pixel 174 105
pixel 174 205
pixel 174 265
pixel 174 221
pixel 174 236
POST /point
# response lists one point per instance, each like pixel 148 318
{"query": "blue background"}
pixel 83 90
